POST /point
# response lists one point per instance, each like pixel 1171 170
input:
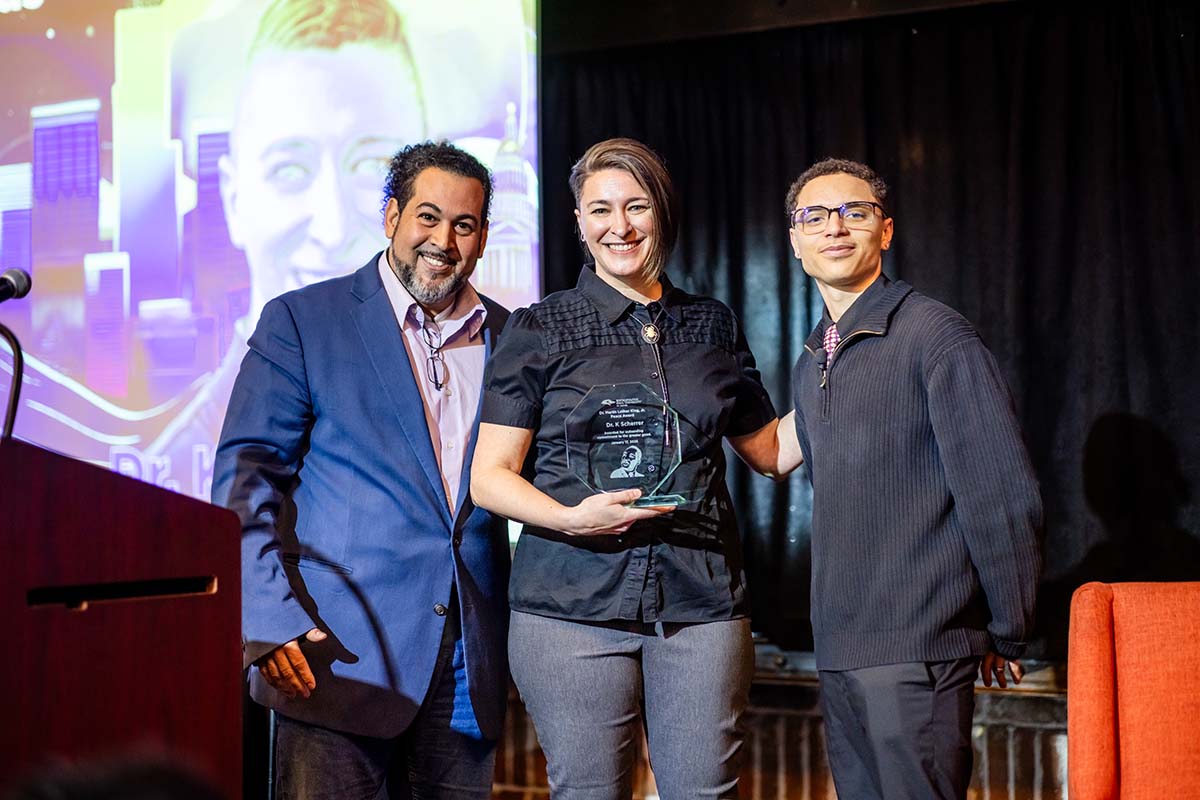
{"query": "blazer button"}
pixel 439 609
pixel 457 540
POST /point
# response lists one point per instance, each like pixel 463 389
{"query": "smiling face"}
pixel 616 220
pixel 437 237
pixel 838 257
pixel 309 148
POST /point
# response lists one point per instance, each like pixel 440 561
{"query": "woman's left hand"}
pixel 607 513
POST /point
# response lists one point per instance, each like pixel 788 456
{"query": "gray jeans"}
pixel 585 686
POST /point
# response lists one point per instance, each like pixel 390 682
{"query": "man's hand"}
pixel 993 664
pixel 286 668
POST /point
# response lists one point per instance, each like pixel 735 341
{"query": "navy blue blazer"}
pixel 325 456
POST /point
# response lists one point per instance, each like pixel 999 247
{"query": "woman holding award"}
pixel 627 589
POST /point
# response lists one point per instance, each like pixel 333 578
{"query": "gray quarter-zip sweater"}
pixel 926 511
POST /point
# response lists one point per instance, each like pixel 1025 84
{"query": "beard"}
pixel 428 293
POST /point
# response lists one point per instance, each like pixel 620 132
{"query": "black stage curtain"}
pixel 1044 178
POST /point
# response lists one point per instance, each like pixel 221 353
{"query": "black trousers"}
pixel 900 731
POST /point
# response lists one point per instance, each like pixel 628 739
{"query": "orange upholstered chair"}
pixel 1133 691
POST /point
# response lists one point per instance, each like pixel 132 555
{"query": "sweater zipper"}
pixel 826 392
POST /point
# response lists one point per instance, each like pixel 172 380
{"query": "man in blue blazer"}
pixel 374 611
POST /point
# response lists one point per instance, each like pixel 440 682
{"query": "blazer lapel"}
pixel 381 338
pixel 464 506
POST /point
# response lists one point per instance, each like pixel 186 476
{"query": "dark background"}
pixel 1043 171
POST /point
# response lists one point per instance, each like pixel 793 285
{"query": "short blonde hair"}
pixel 290 25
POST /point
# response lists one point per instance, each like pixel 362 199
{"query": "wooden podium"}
pixel 120 611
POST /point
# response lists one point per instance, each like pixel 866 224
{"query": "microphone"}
pixel 14 283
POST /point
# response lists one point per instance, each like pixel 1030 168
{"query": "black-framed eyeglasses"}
pixel 857 214
pixel 435 365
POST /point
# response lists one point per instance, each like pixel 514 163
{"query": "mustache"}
pixel 436 252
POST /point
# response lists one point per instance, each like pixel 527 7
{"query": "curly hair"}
pixel 412 160
pixel 839 166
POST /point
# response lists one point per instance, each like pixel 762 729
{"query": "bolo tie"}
pixel 652 335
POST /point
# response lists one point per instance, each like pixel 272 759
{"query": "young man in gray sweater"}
pixel 925 507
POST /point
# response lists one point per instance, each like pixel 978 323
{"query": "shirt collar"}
pixel 613 305
pixel 852 315
pixel 467 311
pixel 871 312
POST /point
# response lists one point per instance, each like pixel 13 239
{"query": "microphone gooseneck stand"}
pixel 14 394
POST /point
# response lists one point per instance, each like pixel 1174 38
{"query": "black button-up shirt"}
pixel 684 566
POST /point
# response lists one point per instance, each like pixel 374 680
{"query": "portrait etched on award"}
pixel 623 436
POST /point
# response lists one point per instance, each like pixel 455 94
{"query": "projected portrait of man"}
pixel 330 93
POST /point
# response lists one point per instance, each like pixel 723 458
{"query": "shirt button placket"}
pixel 635 580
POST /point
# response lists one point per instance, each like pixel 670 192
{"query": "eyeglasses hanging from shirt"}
pixel 435 364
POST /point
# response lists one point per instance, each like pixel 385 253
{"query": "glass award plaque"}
pixel 623 436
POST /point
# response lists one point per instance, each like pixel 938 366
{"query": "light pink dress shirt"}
pixel 449 413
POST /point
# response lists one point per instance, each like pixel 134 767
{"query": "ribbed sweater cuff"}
pixel 1009 649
